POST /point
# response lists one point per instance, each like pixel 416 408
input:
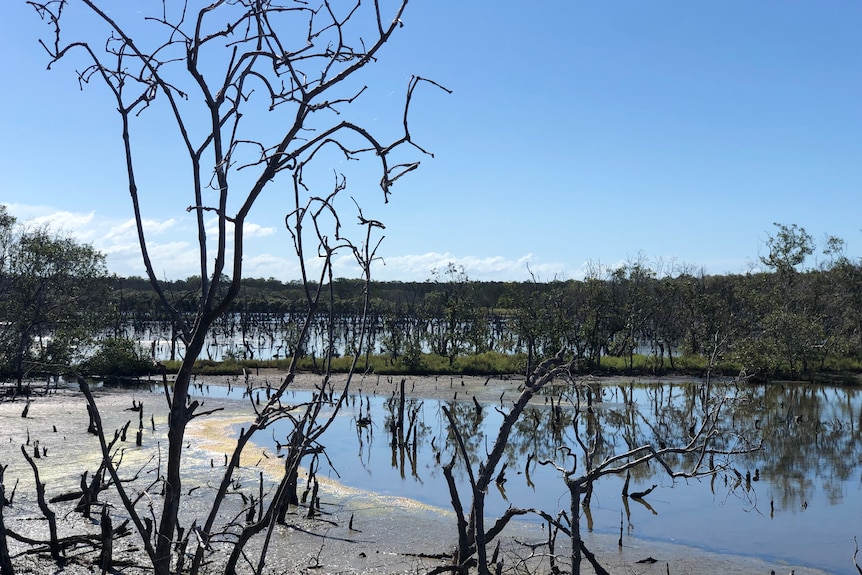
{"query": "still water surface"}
pixel 798 499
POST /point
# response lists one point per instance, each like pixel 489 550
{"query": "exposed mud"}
pixel 360 531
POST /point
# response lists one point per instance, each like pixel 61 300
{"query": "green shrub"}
pixel 490 363
pixel 118 357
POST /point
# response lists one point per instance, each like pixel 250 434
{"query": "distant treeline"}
pixel 776 323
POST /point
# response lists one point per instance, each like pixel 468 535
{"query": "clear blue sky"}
pixel 576 132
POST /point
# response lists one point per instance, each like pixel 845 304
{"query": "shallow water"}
pixel 802 504
pixel 804 508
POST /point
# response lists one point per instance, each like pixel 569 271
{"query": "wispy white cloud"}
pixel 128 229
pixel 173 249
pixel 270 266
pixel 63 222
pixel 172 243
pixel 250 229
pixel 420 267
pixel 257 231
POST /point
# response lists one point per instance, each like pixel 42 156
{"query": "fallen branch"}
pixel 641 494
pixel 43 506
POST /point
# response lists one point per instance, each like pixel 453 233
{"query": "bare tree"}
pixel 680 457
pixel 255 91
pixel 707 449
pixel 473 537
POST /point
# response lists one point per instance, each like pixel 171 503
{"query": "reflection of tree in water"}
pixel 468 418
pixel 812 434
pixel 537 433
pixel 405 440
pixel 625 417
pixel 812 439
pixel 663 414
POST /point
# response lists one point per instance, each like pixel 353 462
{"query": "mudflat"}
pixel 361 531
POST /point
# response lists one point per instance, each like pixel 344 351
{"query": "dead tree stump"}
pixel 5 560
pixel 106 560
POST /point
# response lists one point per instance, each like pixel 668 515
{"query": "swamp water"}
pixel 801 504
pixel 797 500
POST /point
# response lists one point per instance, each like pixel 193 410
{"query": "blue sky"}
pixel 576 133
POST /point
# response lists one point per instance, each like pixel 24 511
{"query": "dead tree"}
pixel 699 450
pixel 5 561
pixel 689 455
pixel 696 456
pixel 50 516
pixel 473 537
pixel 255 92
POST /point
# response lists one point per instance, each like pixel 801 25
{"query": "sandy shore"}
pixel 389 535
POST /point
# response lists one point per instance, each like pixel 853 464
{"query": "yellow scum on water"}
pixel 216 436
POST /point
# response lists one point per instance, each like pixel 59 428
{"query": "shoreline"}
pixel 391 532
pixel 492 390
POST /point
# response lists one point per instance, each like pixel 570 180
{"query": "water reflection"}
pixel 798 499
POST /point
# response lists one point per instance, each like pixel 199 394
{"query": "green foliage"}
pixel 789 322
pixel 230 367
pixel 118 357
pixel 788 248
pixel 456 323
pixel 491 363
pixel 52 299
pixel 412 358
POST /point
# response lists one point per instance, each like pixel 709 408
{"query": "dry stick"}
pixel 314 499
pixel 552 558
pixel 86 496
pixel 593 561
pixel 642 494
pixel 463 538
pixel 260 497
pixel 96 421
pixel 856 552
pixel 46 511
pixel 106 556
pixel 91 427
pixel 5 560
pixel 140 435
pixel 496 553
pixel 181 548
pixel 401 413
pixel 575 533
pixel 620 541
pixel 544 373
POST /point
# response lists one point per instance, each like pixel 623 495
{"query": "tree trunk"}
pixel 5 560
pixel 49 514
pixel 106 561
pixel 575 511
pixel 178 418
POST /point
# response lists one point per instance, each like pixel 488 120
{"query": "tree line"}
pixel 784 320
pixel 781 320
